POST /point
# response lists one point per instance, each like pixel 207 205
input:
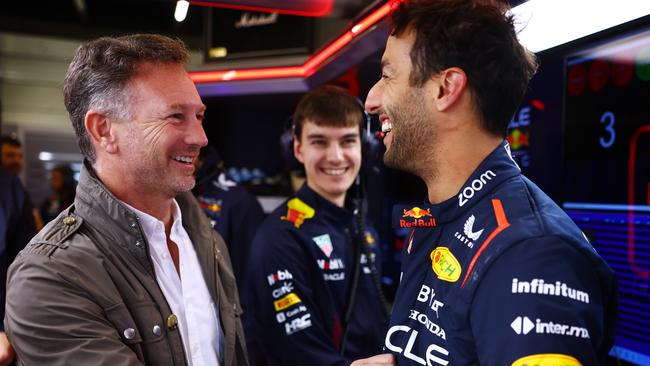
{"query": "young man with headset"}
pixel 311 301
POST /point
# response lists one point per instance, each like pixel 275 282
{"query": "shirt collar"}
pixel 151 225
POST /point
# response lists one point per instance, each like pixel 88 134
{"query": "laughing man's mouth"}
pixel 183 159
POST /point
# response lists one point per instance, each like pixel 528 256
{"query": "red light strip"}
pixel 309 67
pixel 318 12
pixel 631 254
pixel 247 74
pixel 316 60
pixel 375 16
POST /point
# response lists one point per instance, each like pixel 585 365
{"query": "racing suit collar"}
pixel 497 167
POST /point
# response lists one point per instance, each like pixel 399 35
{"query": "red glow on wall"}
pixel 577 79
pixel 598 75
pixel 298 8
pixel 631 255
pixel 538 104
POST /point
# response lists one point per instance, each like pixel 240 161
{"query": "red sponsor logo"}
pixel 418 223
pixel 298 212
pixel 417 212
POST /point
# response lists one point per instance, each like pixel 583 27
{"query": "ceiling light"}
pixel 543 24
pixel 45 156
pixel 181 10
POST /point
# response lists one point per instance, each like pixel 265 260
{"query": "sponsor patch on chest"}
pixel 445 265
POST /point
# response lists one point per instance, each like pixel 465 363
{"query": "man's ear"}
pixel 297 151
pixel 98 126
pixel 451 84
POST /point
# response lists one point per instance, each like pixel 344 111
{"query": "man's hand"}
pixel 6 351
pixel 386 359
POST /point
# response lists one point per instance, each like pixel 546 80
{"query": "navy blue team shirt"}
pixel 499 275
pixel 17 226
pixel 234 213
pixel 301 271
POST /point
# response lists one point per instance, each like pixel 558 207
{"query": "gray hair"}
pixel 98 75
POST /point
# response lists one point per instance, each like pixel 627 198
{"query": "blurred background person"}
pixel 17 227
pixel 12 158
pixel 63 187
pixel 234 212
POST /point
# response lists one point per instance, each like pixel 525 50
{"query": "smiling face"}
pixel 403 109
pixel 332 158
pixel 157 148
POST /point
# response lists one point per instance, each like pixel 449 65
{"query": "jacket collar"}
pixel 497 167
pixel 98 206
pixel 118 224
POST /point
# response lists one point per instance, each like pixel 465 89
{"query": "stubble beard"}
pixel 411 135
pixel 158 179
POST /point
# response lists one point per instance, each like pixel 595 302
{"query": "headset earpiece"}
pixel 286 145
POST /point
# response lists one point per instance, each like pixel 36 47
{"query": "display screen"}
pixel 607 173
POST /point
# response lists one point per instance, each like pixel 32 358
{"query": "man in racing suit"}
pixel 494 272
pixel 303 255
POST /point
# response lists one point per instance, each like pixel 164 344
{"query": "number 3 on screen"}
pixel 609 119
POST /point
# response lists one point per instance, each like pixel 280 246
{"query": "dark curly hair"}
pixel 476 36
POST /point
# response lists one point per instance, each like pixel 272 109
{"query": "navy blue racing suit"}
pixel 499 275
pixel 234 213
pixel 17 226
pixel 301 271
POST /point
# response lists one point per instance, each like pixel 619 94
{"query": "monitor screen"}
pixel 607 172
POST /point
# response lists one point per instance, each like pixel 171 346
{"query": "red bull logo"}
pixel 213 207
pixel 298 212
pixel 518 139
pixel 209 204
pixel 418 223
pixel 417 213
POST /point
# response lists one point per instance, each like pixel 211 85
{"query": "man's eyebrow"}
pixel 350 136
pixel 317 136
pixel 314 136
pixel 182 106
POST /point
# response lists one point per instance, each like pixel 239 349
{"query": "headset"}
pixel 371 149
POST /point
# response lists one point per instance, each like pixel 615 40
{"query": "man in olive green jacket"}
pixel 132 273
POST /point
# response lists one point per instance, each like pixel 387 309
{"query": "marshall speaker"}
pixel 237 34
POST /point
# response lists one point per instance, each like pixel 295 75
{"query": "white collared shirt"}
pixel 187 295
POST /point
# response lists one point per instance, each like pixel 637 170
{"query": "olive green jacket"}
pixel 84 292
